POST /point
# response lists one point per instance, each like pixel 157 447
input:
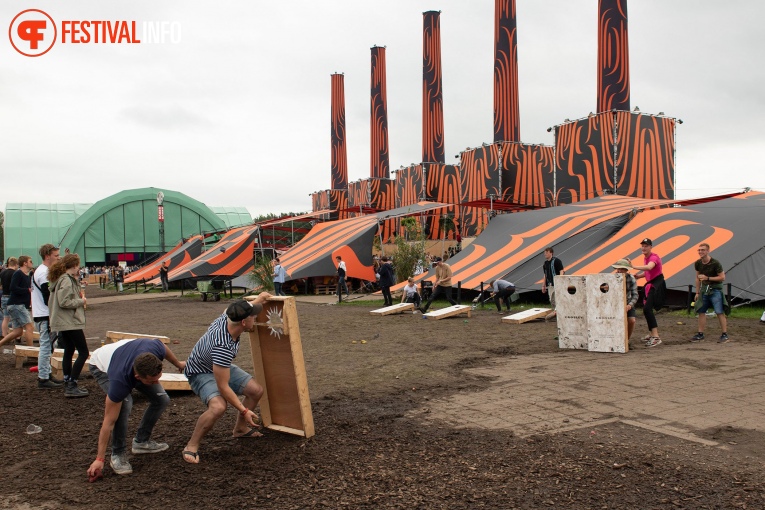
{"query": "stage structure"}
pixel 432 90
pixel 379 156
pixel 507 122
pixel 613 56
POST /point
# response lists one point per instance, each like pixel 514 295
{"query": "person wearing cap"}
pixel 119 368
pixel 551 268
pixel 217 381
pixel 709 288
pixel 443 283
pixel 622 267
pixel 654 288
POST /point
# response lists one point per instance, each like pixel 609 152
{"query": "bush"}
pixel 262 274
pixel 410 249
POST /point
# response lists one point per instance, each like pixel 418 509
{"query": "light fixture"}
pixel 567 120
pixel 456 156
pixel 661 113
pixel 636 109
pixel 549 129
pixel 679 121
pixel 591 114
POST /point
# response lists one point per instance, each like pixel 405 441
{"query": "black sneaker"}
pixel 47 384
pixel 698 337
pixel 723 338
pixel 57 381
pixel 74 391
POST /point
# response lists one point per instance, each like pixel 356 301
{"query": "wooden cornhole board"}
pixel 22 352
pixel 526 315
pixel 388 310
pixel 116 336
pixel 174 382
pixel 450 311
pixel 277 356
pixel 606 318
pixel 57 364
pixel 591 312
pixel 571 308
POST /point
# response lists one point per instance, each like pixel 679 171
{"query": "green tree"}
pixel 262 274
pixel 410 249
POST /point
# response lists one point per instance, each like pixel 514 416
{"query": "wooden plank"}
pixel 388 310
pixel 174 382
pixel 22 352
pixel 116 336
pixel 526 315
pixel 606 318
pixel 277 357
pixel 571 308
pixel 57 364
pixel 450 311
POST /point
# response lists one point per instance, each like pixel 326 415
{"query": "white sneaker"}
pixel 149 447
pixel 120 464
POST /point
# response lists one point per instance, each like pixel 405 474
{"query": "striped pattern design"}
pixel 528 174
pixel 409 185
pixel 479 177
pixel 442 185
pixel 338 200
pixel 432 93
pixel 180 255
pixel 320 202
pixel 379 158
pixel 613 56
pixel 216 346
pixel 339 151
pixel 507 122
pixel 643 146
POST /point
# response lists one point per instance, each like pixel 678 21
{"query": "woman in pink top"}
pixel 654 288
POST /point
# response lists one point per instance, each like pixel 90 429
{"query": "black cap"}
pixel 437 259
pixel 647 241
pixel 239 310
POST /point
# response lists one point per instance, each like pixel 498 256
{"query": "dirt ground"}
pixel 366 452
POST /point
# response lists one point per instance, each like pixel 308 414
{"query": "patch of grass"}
pixel 741 312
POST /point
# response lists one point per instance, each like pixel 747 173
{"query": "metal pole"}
pixel 459 293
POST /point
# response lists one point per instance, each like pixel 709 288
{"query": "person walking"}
pixel 443 284
pixel 20 303
pixel 654 288
pixel 387 280
pixel 709 293
pixel 6 275
pixel 67 317
pixel 342 273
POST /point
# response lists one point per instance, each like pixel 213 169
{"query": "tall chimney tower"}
pixel 613 56
pixel 379 155
pixel 507 120
pixel 432 94
pixel 339 151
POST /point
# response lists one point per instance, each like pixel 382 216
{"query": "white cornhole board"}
pixel 606 318
pixel 450 311
pixel 526 315
pixel 174 382
pixel 388 310
pixel 571 308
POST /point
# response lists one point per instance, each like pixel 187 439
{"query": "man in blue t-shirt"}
pixel 217 381
pixel 118 368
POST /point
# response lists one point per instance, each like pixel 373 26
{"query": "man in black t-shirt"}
pixel 709 289
pixel 5 279
pixel 20 303
pixel 551 268
pixel 163 276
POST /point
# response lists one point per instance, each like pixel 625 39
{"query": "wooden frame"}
pixel 398 308
pixel 277 357
pixel 526 315
pixel 449 311
pixel 116 336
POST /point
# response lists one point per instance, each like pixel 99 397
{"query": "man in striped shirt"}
pixel 217 381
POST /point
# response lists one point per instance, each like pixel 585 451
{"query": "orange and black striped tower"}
pixel 379 156
pixel 432 94
pixel 507 120
pixel 339 150
pixel 613 56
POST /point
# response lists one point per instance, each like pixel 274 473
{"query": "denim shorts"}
pixel 713 299
pixel 206 388
pixel 3 309
pixel 19 316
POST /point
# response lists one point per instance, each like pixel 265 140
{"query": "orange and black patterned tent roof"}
pixel 351 239
pixel 182 254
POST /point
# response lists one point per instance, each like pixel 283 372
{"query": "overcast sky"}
pixel 237 113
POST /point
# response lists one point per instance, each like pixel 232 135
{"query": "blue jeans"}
pixel 278 289
pixel 43 361
pixel 158 401
pixel 4 303
pixel 713 298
